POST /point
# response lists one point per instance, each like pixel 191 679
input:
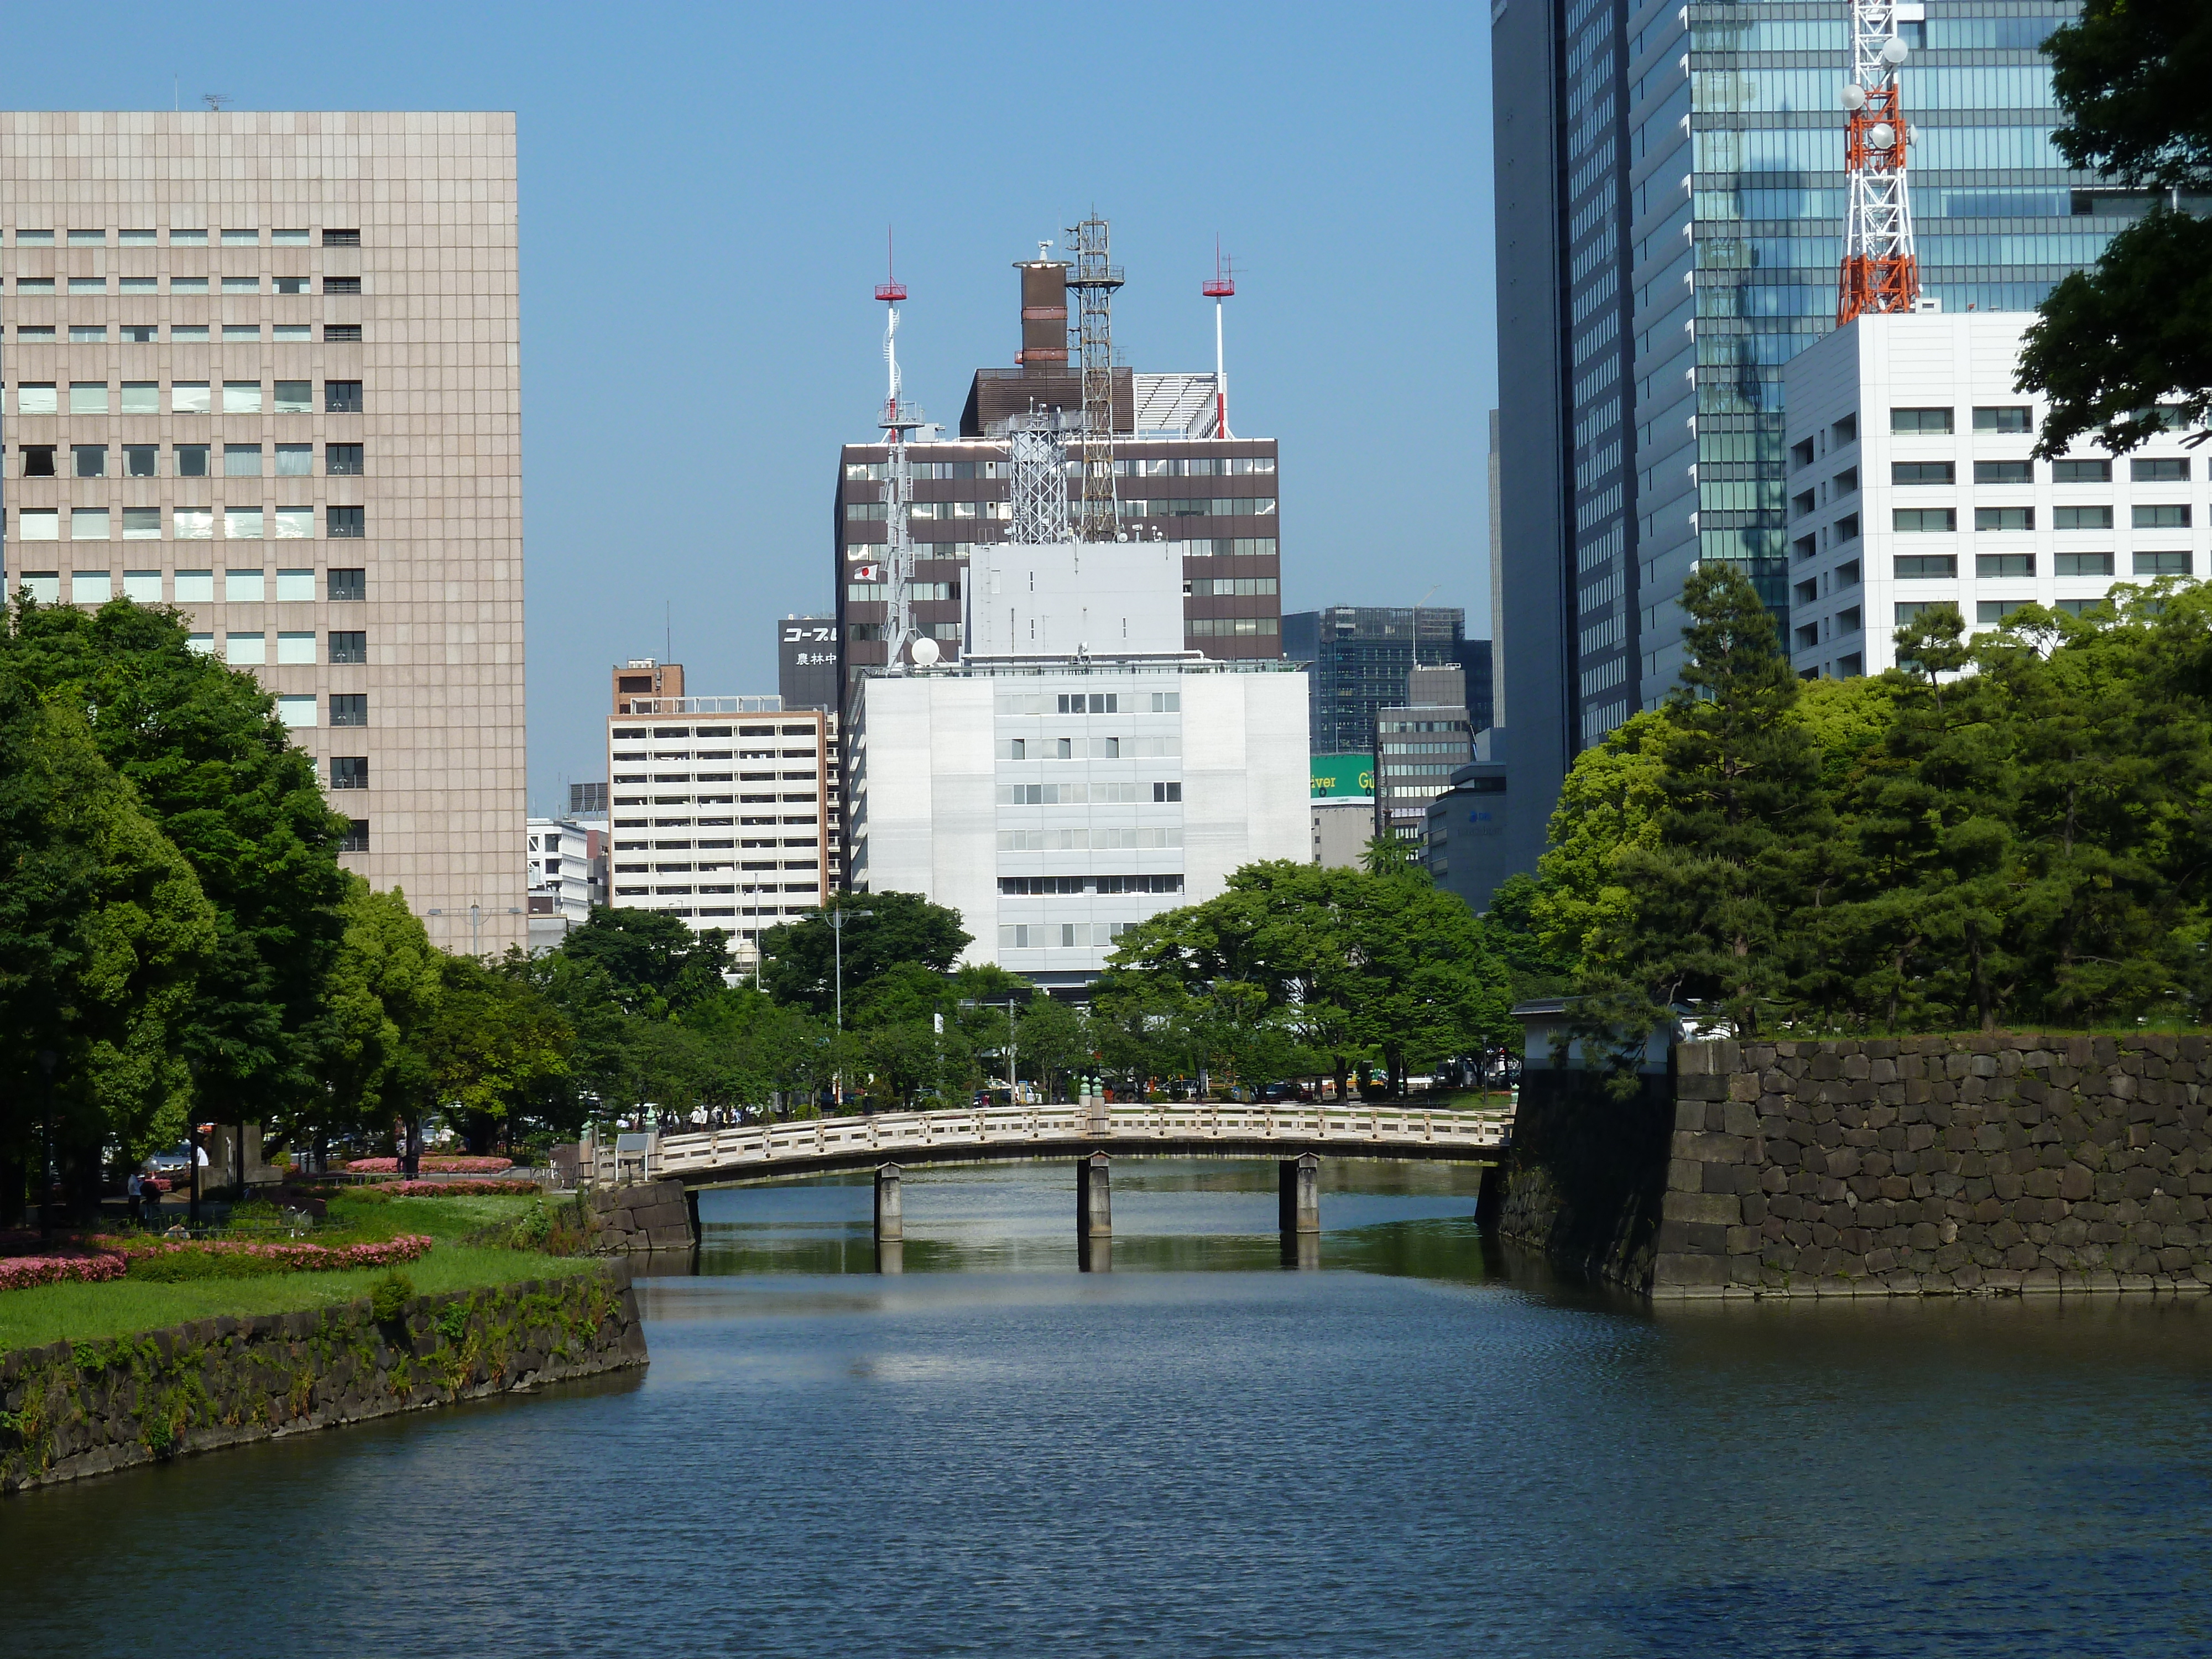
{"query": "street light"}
pixel 837 935
pixel 476 923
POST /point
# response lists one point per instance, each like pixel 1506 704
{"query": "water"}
pixel 1422 1449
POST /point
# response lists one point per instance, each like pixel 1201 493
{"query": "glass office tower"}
pixel 1670 200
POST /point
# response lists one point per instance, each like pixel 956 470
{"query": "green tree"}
pixel 103 933
pixel 654 963
pixel 491 1045
pixel 899 928
pixel 1609 804
pixel 2114 342
pixel 383 988
pixel 202 746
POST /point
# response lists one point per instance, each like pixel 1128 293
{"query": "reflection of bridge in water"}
pixel 1093 1134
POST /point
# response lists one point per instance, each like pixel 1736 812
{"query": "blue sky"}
pixel 705 192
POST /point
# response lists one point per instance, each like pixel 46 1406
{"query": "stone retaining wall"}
pixel 77 1409
pixel 654 1215
pixel 1920 1166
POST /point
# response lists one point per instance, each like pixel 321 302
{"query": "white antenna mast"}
pixel 1879 272
pixel 1221 287
pixel 898 419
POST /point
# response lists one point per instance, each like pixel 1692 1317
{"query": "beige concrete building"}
pixel 266 368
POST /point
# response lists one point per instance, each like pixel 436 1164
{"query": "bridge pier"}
pixel 1297 1207
pixel 1094 1213
pixel 890 1221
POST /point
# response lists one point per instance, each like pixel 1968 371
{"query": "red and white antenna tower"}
pixel 1221 287
pixel 899 418
pixel 1879 273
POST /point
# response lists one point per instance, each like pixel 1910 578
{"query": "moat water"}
pixel 1425 1447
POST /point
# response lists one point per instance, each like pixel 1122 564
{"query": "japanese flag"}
pixel 867 573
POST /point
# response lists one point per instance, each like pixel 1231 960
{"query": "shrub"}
pixel 20 1272
pixel 432 1165
pixel 162 1262
pixel 388 1298
pixel 454 1323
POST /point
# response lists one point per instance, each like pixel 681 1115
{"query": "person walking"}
pixel 136 1189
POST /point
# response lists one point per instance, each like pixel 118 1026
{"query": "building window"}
pixel 142 585
pixel 140 460
pixel 242 524
pixel 2081 564
pixel 2169 517
pixel 241 331
pixel 349 646
pixel 142 397
pixel 341 284
pixel 296 460
pixel 89 524
pixel 342 333
pixel 2004 564
pixel 2081 472
pixel 91 587
pixel 356 839
pixel 350 708
pixel 291 285
pixel 44 586
pixel 245 650
pixel 189 398
pixel 348 586
pixel 38 460
pixel 295 588
pixel 2079 607
pixel 342 397
pixel 1845 431
pixel 196 587
pixel 242 460
pixel 1807 636
pixel 2081 517
pixel 1923 520
pixel 349 771
pixel 1162 791
pixel 295 398
pixel 2004 472
pixel 192 523
pixel 140 333
pixel 348 523
pixel 296 524
pixel 2004 518
pixel 87 397
pixel 1847 528
pixel 343 460
pixel 1989 612
pixel 241 397
pixel 242 586
pixel 191 460
pixel 1847 622
pixel 2171 470
pixel 2163 564
pixel 295 647
pixel 1227 627
pixel 88 333
pixel 2011 418
pixel 1925 567
pixel 141 524
pixel 189 334
pixel 1167 702
pixel 341 238
pixel 1919 420
pixel 38 524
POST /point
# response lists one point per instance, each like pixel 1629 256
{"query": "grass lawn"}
pixel 84 1313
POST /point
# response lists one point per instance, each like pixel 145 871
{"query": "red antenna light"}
pixel 890 291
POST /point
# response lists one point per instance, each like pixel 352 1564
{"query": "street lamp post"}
pixel 837 935
pixel 475 924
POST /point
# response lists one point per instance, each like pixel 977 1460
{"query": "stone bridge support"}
pixel 1094 1213
pixel 890 1221
pixel 1298 1210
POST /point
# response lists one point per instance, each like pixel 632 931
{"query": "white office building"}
pixel 1077 770
pixel 566 877
pixel 1911 483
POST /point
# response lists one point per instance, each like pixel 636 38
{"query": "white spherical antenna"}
pixel 1853 97
pixel 1895 52
pixel 1881 135
pixel 925 653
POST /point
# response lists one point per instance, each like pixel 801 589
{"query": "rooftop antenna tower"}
pixel 1879 273
pixel 1098 518
pixel 1222 287
pixel 899 418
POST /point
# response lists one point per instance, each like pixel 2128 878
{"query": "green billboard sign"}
pixel 1345 775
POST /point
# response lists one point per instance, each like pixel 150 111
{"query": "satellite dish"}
pixel 1895 52
pixel 1853 97
pixel 1881 135
pixel 925 653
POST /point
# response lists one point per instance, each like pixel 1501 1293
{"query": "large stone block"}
pixel 1716 1209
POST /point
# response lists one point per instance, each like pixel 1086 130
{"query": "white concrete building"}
pixel 1054 796
pixel 566 877
pixel 1911 483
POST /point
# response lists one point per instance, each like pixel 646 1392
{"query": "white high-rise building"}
pixel 1911 483
pixel 1076 770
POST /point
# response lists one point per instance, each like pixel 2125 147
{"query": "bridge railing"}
pixel 887 1134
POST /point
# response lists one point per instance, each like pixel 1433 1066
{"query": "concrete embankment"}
pixel 77 1409
pixel 1937 1165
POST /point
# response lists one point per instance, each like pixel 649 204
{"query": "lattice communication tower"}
pixel 1098 517
pixel 1879 272
pixel 898 419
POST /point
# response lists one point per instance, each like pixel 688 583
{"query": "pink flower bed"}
pixel 21 1272
pixel 433 1165
pixel 452 1188
pixel 300 1258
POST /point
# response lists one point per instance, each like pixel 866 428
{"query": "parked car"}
pixel 177 1161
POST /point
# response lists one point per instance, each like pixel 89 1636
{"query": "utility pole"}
pixel 475 924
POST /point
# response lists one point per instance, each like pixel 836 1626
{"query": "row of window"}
pixel 189 398
pixel 1090 702
pixel 187 334
pixel 1037 886
pixel 1125 466
pixel 636 757
pixel 1087 794
pixel 1221 587
pixel 193 460
pixel 1077 841
pixel 1200 628
pixel 191 524
pixel 2155 469
pixel 1923 521
pixel 197 587
pixel 1066 935
pixel 1145 748
pixel 1196 506
pixel 31 287
pixel 625 779
pixel 1218 547
pixel 1927 567
pixel 880 593
pixel 232 238
pixel 638 734
pixel 1988 613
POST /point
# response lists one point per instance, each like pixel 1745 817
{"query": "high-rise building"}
pixel 1671 199
pixel 720 805
pixel 266 368
pixel 1357 656
pixel 1912 484
pixel 806 662
pixel 1177 477
pixel 1418 746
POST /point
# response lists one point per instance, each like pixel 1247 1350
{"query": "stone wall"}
pixel 1587 1176
pixel 654 1215
pixel 77 1409
pixel 1939 1165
